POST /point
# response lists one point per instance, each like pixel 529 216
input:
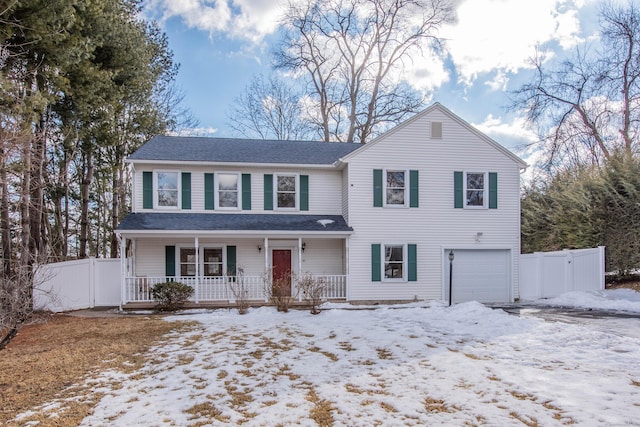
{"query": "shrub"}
pixel 171 295
pixel 313 291
pixel 240 292
pixel 278 290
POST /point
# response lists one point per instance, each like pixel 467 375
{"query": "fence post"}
pixel 539 273
pixel 92 282
pixel 601 267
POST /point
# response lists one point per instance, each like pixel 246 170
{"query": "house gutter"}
pixel 231 164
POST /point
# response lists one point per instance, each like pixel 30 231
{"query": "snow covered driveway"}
pixel 419 365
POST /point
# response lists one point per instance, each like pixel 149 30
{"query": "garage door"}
pixel 481 275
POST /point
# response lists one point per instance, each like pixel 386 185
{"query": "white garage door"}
pixel 482 275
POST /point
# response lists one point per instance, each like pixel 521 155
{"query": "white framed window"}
pixel 167 190
pixel 395 187
pixel 211 261
pixel 286 191
pixel 228 194
pixel 187 262
pixel 394 262
pixel 475 190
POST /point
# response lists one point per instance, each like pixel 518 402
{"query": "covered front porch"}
pixel 219 291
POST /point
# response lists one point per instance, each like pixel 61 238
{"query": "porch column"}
pixel 299 266
pixel 133 258
pixel 197 282
pixel 266 263
pixel 266 254
pixel 347 290
pixel 123 270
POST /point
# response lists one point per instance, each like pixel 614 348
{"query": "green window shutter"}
pixel 170 261
pixel 231 260
pixel 458 190
pixel 493 190
pixel 377 188
pixel 375 263
pixel 208 191
pixel 186 190
pixel 147 190
pixel 246 191
pixel 412 263
pixel 268 192
pixel 304 192
pixel 413 189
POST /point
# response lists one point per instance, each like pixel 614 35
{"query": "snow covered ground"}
pixel 622 300
pixel 417 364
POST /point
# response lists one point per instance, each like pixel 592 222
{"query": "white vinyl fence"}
pixel 74 285
pixel 549 274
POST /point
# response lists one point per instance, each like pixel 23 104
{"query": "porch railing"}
pixel 220 289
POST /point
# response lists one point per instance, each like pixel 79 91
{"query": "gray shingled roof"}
pixel 229 150
pixel 232 222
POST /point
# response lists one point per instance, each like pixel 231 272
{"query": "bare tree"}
pixel 587 108
pixel 352 55
pixel 269 109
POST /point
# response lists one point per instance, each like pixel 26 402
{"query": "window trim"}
pixel 297 191
pixel 179 261
pixel 201 262
pixel 156 205
pixel 216 191
pixel 485 190
pixel 405 262
pixel 407 185
pixel 223 260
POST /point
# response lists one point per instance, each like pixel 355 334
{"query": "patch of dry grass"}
pixel 432 405
pixel 50 360
pixel 321 412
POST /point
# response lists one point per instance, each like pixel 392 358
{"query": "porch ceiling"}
pixel 222 223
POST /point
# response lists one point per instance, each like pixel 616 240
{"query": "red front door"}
pixel 281 259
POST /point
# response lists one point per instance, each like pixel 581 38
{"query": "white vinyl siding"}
pixel 325 188
pixel 435 224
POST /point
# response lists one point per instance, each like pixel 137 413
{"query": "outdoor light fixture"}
pixel 478 236
pixel 259 248
pixel 304 246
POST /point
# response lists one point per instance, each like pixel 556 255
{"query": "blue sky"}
pixel 222 44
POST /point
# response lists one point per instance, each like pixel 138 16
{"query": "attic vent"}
pixel 436 130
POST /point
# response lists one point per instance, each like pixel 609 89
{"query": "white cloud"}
pixel 426 71
pixel 513 134
pixel 502 34
pixel 251 20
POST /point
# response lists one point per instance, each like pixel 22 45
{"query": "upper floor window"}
pixel 396 188
pixel 167 193
pixel 395 185
pixel 286 191
pixel 475 189
pixel 228 195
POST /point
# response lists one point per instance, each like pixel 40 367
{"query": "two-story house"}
pixel 379 222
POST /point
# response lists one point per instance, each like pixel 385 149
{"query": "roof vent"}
pixel 436 130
